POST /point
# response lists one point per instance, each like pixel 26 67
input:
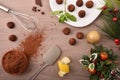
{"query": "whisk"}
pixel 26 21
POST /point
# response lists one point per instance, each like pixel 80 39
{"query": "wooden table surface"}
pixel 53 35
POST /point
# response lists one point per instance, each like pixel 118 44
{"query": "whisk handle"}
pixel 4 8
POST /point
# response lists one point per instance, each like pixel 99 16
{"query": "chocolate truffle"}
pixel 12 38
pixel 79 3
pixel 72 41
pixel 71 8
pixel 82 13
pixel 66 31
pixel 89 4
pixel 80 35
pixel 14 62
pixel 59 1
pixel 10 25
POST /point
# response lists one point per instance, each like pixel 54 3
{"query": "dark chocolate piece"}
pixel 43 13
pixel 89 4
pixel 71 8
pixel 59 1
pixel 34 8
pixel 79 3
pixel 80 35
pixel 12 38
pixel 82 13
pixel 38 2
pixel 10 25
pixel 66 31
pixel 72 41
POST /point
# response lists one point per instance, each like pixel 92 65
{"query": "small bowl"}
pixel 14 62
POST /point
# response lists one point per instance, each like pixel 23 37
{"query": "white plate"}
pixel 91 14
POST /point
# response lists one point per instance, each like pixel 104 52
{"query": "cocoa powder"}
pixel 31 44
pixel 14 62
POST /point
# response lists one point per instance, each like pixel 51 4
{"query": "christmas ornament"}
pixel 111 20
pixel 101 64
pixel 115 19
pixel 93 37
pixel 117 41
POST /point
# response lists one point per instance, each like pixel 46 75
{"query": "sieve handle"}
pixel 4 8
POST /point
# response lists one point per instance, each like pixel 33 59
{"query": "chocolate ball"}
pixel 89 4
pixel 79 3
pixel 59 1
pixel 66 31
pixel 10 25
pixel 71 8
pixel 12 38
pixel 82 13
pixel 80 35
pixel 72 41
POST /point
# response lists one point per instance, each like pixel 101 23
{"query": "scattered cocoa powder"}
pixel 31 43
pixel 34 8
pixel 16 61
pixel 43 13
pixel 38 10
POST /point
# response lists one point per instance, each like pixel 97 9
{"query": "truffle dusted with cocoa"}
pixel 66 31
pixel 59 1
pixel 82 13
pixel 79 3
pixel 89 4
pixel 80 35
pixel 72 41
pixel 10 25
pixel 71 8
pixel 12 38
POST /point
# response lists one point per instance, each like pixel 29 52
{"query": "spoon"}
pixel 49 58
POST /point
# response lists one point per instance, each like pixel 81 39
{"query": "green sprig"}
pixel 109 26
pixel 64 15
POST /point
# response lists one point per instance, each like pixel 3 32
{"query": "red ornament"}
pixel 92 71
pixel 103 55
pixel 115 19
pixel 115 10
pixel 104 7
pixel 117 41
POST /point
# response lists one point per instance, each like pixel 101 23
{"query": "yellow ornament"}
pixel 93 37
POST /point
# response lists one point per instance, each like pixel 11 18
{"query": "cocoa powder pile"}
pixel 14 62
pixel 31 44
